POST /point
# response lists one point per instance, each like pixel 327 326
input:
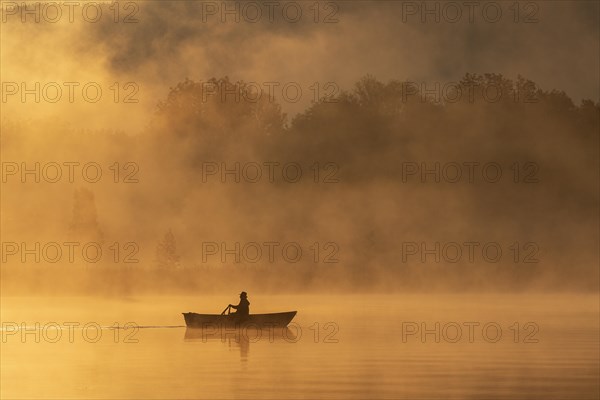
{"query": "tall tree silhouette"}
pixel 84 224
pixel 166 252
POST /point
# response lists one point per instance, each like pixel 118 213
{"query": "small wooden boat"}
pixel 282 319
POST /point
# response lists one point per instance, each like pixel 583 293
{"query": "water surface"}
pixel 349 346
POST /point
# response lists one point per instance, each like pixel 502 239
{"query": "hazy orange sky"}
pixel 554 43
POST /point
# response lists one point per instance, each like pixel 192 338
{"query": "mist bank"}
pixel 382 187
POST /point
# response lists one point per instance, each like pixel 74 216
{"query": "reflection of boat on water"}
pixel 241 337
pixel 193 320
pixel 246 334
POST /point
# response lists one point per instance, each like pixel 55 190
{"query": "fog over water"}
pixel 386 169
pixel 511 157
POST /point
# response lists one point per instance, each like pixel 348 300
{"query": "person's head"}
pixel 243 295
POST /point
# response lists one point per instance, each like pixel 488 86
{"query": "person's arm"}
pixel 234 307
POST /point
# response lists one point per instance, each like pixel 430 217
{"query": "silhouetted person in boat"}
pixel 243 309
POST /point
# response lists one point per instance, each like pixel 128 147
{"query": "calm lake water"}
pixel 360 346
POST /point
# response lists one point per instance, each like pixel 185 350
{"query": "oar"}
pixel 225 310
